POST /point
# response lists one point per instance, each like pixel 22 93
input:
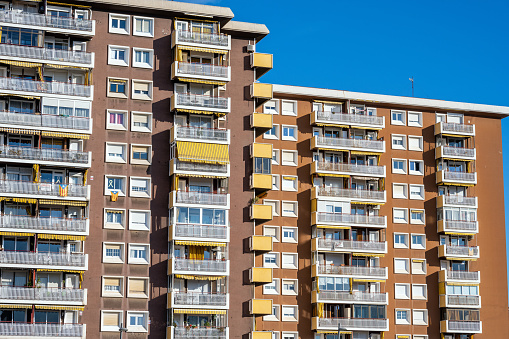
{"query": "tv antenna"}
pixel 412 80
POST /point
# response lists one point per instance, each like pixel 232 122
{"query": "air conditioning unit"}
pixel 251 48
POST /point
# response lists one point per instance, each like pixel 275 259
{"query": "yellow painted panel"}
pixel 261 212
pixel 261 150
pixel 261 120
pixel 263 60
pixel 263 181
pixel 261 306
pixel 261 275
pixel 261 335
pixel 261 243
pixel 259 90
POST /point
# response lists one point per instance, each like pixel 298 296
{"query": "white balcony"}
pixel 353 120
pixel 458 226
pixel 349 324
pixel 456 201
pixel 325 168
pixel 46 55
pixel 348 246
pixel 346 194
pixel 21 223
pixel 457 153
pixel 26 87
pixel 346 144
pixel 198 267
pixel 219 301
pixel 460 301
pixel 190 232
pixel 187 70
pixel 458 252
pixel 195 39
pixel 360 272
pixel 195 102
pixel 345 297
pixel 197 333
pixel 183 168
pixel 198 199
pixel 459 277
pixel 342 219
pixel 55 261
pixel 42 296
pixel 45 156
pixel 39 330
pixel 459 327
pixel 454 129
pixel 197 134
pixel 34 190
pixel 461 178
pixel 46 122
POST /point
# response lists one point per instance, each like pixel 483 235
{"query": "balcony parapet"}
pixel 41 330
pixel 54 123
pixel 333 245
pixel 17 86
pixel 351 271
pixel 65 261
pixel 326 218
pixel 356 297
pixel 353 120
pixel 342 144
pixel 46 156
pixel 42 295
pixel 45 55
pixel 196 39
pixel 22 223
pixel 329 168
pixel 28 189
pixel 350 324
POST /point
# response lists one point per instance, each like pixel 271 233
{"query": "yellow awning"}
pixel 15 306
pixel 418 260
pixel 19 131
pixel 332 125
pixel 367 203
pixel 331 149
pixel 194 111
pixel 205 50
pixel 457 135
pixel 205 176
pixel 332 103
pixel 62 202
pixel 200 243
pixel 18 234
pixel 454 184
pixel 208 82
pixel 202 152
pixel 21 63
pixel 369 280
pixel 20 200
pixel 63 4
pixel 333 175
pixel 64 66
pixel 65 135
pixel 466 259
pixel 63 308
pixel 365 153
pixel 337 227
pixel 61 237
pixel 198 277
pixel 114 211
pixel 368 255
pixel 334 332
pixel 453 233
pixel 52 270
pixel 183 311
pixel 461 284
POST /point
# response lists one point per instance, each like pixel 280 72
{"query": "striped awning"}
pixel 208 82
pixel 18 234
pixel 20 200
pixel 200 243
pixel 331 125
pixel 61 237
pixel 15 306
pixel 63 202
pixel 369 280
pixel 368 255
pixel 367 203
pixel 53 270
pixel 198 277
pixel 115 211
pixel 184 311
pixel 365 153
pixel 461 284
pixel 21 63
pixel 205 50
pixel 334 332
pixel 64 66
pixel 337 227
pixel 202 152
pixel 19 131
pixel 205 176
pixel 194 111
pixel 333 175
pixel 65 135
pixel 63 308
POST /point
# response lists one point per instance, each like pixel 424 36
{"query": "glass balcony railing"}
pixel 27 330
pixel 45 120
pixel 48 87
pixel 46 54
pixel 44 154
pixel 48 21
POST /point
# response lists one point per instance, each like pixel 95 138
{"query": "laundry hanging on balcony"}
pixel 202 152
pixel 196 252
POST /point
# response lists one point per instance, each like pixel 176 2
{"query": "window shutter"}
pixel 137 286
pixel 288 157
pixel 269 231
pixel 399 190
pixel 141 86
pixel 139 183
pixel 117 149
pixel 111 281
pixel 141 118
pixel 110 319
pixel 138 149
pixel 113 247
pixel 138 218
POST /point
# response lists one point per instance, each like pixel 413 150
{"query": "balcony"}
pixel 456 201
pixel 15 86
pixel 260 275
pixel 197 333
pixel 457 153
pixel 376 273
pixel 458 252
pixel 47 122
pixel 345 297
pixel 198 267
pixel 47 55
pixel 192 232
pixel 261 121
pixel 260 243
pixel 195 39
pixel 341 219
pixel 21 223
pixel 459 276
pixel 349 324
pixel 40 330
pixel 347 144
pixel 186 70
pixel 197 134
pixel 261 93
pixel 55 261
pixel 262 62
pixel 346 194
pixel 353 120
pixel 460 301
pixel 324 168
pixel 455 129
pixel 446 177
pixel 42 296
pixel 198 300
pixel 458 327
pixel 458 226
pixel 348 246
pixel 46 156
pixel 183 198
pixel 261 181
pixel 260 306
pixel 183 168
pixel 48 23
pixel 260 335
pixel 195 102
pixel 260 212
pixel 34 190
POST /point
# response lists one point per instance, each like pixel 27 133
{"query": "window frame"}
pixel 138 261
pixel 134 194
pixel 109 294
pixel 421 190
pixel 278 157
pixel 277 290
pixel 295 158
pixel 276 129
pixel 137 64
pixel 116 126
pixel 295 214
pixel 114 226
pixel 295 312
pixel 107 191
pixel 425 317
pixel 272 317
pixel 405 190
pixel 421 143
pixel 137 328
pixel 403 117
pixel 407 296
pixel 138 96
pixel 117 62
pixel 130 295
pixel 277 228
pixel 423 266
pixel 403 147
pixel 295 113
pixel 407 321
pixel 414 124
pixel 397 170
pixel 399 221
pixel 296 283
pixel 289 138
pixel 407 241
pixel 107 328
pixel 295 180
pixel 109 159
pixel 143 34
pixel 414 172
pixel 141 161
pixel 114 30
pixel 417 246
pixel 108 260
pixel 148 218
pixel 276 112
pixel 139 128
pixel 271 265
pixel 275 177
pixel 397 271
pixel 425 296
pixel 290 267
pixel 295 232
pixel 416 221
pixel 277 206
pixel 119 95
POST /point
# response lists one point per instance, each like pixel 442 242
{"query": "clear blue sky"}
pixel 455 50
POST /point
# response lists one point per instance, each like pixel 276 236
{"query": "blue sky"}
pixel 455 50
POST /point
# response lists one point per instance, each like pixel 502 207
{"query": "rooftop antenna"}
pixel 412 80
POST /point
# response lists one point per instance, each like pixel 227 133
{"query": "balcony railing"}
pixel 353 270
pixel 204 101
pixel 350 118
pixel 462 275
pixel 352 245
pixel 459 200
pixel 335 192
pixel 458 152
pixel 27 223
pixel 44 154
pixel 464 326
pixel 463 300
pixel 203 38
pixel 202 198
pixel 351 168
pixel 199 299
pixel 198 133
pixel 457 128
pixel 200 265
pixel 460 225
pixel 40 258
pixel 25 330
pixel 46 54
pixel 201 167
pixel 357 219
pixel 354 297
pixel 201 231
pixel 375 145
pixel 353 323
pixel 198 69
pixel 42 294
pixel 41 188
pixel 45 120
pixel 49 87
pixel 462 251
pixel 33 19
pixel 199 333
pixel 461 176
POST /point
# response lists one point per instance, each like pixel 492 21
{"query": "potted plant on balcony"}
pixel 207 325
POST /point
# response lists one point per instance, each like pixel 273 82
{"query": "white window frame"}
pixel 398 271
pixel 420 336
pixel 137 64
pixel 270 265
pixel 115 94
pixel 399 171
pixel 416 221
pixel 414 172
pixel 418 297
pixel 113 30
pixel 275 182
pixel 274 112
pixel 114 226
pixel 138 296
pixel 403 140
pixel 294 335
pixel 275 282
pixel 289 138
pixel 120 315
pixel 135 194
pixel 137 328
pixel 276 238
pixel 293 214
pixel 278 157
pixel 421 188
pixel 139 128
pixel 107 158
pixel 294 179
pixel 288 112
pixel 107 260
pixel 147 218
pixel 110 294
pixel 440 117
pixel 399 221
pixel 290 318
pixel 271 317
pixel 138 261
pixel 408 320
pixel 418 246
pixel 293 240
pixel 287 266
pixel 270 136
pixel 394 192
pixel 141 161
pixel 406 296
pixel 295 157
pixel 415 137
pixel 276 207
pixel 138 96
pixel 117 127
pixel 118 62
pixel 425 316
pixel 122 192
pixel 397 245
pixel 398 122
pixel 419 120
pixel 144 34
pixel 422 262
pixel 295 283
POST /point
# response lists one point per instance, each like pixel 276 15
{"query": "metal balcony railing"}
pixel 458 152
pixel 41 188
pixel 45 120
pixel 33 19
pixel 460 225
pixel 458 128
pixel 350 118
pixel 356 296
pixel 40 258
pixel 464 326
pixel 336 192
pixel 201 231
pixel 459 200
pixel 202 69
pixel 353 245
pixel 199 333
pixel 353 270
pixel 11 329
pixel 39 224
pixel 463 300
pixel 42 294
pixel 350 218
pixel 205 101
pixel 462 275
pixel 43 154
pixel 462 176
pixel 343 167
pixel 462 250
pixel 202 133
pixel 200 265
pixel 53 87
pixel 199 299
pixel 202 198
pixel 46 54
pixel 352 323
pixel 376 145
pixel 201 167
pixel 203 38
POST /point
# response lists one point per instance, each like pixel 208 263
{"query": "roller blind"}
pixel 137 286
pixel 400 265
pixel 112 281
pixel 141 118
pixel 138 149
pixel 399 191
pixel 110 319
pixel 414 143
pixel 399 214
pixel 139 183
pixel 113 247
pixel 138 217
pixel 141 86
pixel 288 156
pixel 116 149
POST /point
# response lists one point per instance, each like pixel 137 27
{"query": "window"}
pixel 116 120
pixel 275 157
pixel 402 291
pixel 114 184
pixel 118 55
pixel 141 122
pixel 288 107
pixel 403 336
pixel 139 220
pixel 274 204
pixel 290 335
pixel 417 192
pixel 417 217
pixel 143 58
pixel 271 107
pixel 117 88
pixel 415 143
pixel 111 320
pixel 289 260
pixel 275 181
pixel 401 265
pixel 262 166
pixel 398 166
pixel 271 260
pixel 289 287
pixel 138 254
pixel 272 133
pixel 400 215
pixel 402 317
pixel 289 183
pixel 419 291
pixel 141 154
pixel 400 240
pixel 289 313
pixel 272 288
pixel 398 117
pixel 289 158
pixel 440 117
pixel 399 191
pixel 420 317
pixel 116 152
pixel 418 241
pixel 418 266
pixel 271 231
pixel 289 234
pixel 398 141
pixel 113 287
pixel 142 90
pixel 143 26
pixel 119 24
pixel 421 337
pixel 137 287
pixel 113 253
pixel 275 314
pixel 415 119
pixel 416 167
pixel 137 321
pixel 114 218
pixel 289 209
pixel 289 133
pixel 139 187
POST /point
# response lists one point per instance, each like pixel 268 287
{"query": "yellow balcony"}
pixel 261 121
pixel 261 150
pixel 260 243
pixel 261 93
pixel 260 275
pixel 263 63
pixel 262 212
pixel 261 181
pixel 261 335
pixel 260 306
